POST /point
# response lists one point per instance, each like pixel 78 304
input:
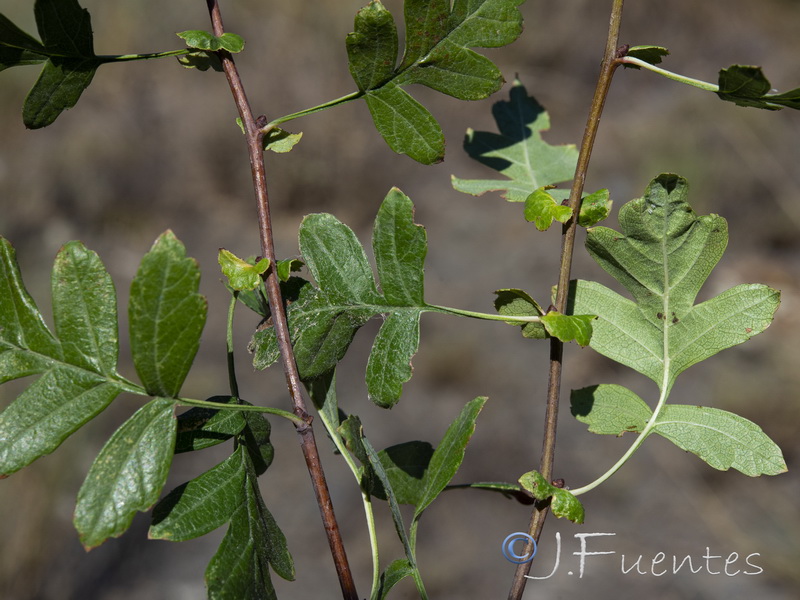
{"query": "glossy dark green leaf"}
pixel 200 428
pixel 201 505
pixel 128 474
pixel 449 454
pixel 77 380
pixel 166 315
pixel 85 310
pixel 323 320
pixel 518 151
pixel 437 55
pixel 748 86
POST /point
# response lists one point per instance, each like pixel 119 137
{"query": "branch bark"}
pixel 308 444
pixel 609 65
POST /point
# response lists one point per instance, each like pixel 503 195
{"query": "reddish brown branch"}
pixel 307 441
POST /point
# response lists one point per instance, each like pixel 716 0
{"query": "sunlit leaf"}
pixel 541 209
pixel 562 503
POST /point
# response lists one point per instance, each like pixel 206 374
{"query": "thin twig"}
pixel 307 441
pixel 610 63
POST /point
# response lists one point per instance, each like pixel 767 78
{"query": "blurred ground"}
pixel 152 146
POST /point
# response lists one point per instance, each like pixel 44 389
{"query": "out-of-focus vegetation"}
pixel 152 146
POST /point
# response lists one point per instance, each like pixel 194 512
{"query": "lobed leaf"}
pixel 518 151
pixel 748 86
pixel 405 465
pixel 166 315
pixel 569 327
pixel 437 55
pixel 78 373
pixel 128 474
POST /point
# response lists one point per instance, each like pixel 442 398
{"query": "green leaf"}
pixel 281 141
pixel 437 55
pixel 253 542
pixel 516 303
pixel 128 474
pixel 722 439
pixel 563 503
pixel 201 60
pixel 405 465
pixel 569 327
pixel 449 454
pixel 663 256
pixel 595 208
pixel 610 409
pixel 75 383
pixel 650 54
pixel 518 151
pixel 747 86
pixel 68 54
pixel 203 40
pixel 166 315
pixel 200 427
pixel 201 505
pixel 286 267
pixel 323 320
pixel 242 276
pixel 541 209
pixel 398 570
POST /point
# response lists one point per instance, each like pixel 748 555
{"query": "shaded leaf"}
pixel 128 474
pixel 449 454
pixel 166 315
pixel 286 267
pixel 200 427
pixel 747 86
pixel 518 151
pixel 650 54
pixel 437 55
pixel 516 303
pixel 405 465
pixel 201 60
pixel 201 505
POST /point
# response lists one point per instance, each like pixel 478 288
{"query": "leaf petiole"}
pixel 703 85
pixel 243 407
pixel 110 58
pixel 485 316
pixel 308 111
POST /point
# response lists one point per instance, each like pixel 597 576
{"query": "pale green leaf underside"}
pixel 518 151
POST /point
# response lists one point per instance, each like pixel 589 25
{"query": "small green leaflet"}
pixel 77 369
pixel 167 316
pixel 242 276
pixel 562 503
pixel 324 319
pixel 66 50
pixel 518 151
pixel 203 40
pixel 650 54
pixel 541 209
pixel 722 439
pixel 437 55
pixel 662 257
pixel 747 86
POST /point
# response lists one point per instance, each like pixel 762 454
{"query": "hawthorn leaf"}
pixel 569 327
pixel 405 466
pixel 128 474
pixel 595 208
pixel 722 439
pixel 748 86
pixel 203 40
pixel 610 409
pixel 78 371
pixel 541 209
pixel 516 303
pixel 324 319
pixel 518 151
pixel 396 571
pixel 166 316
pixel 201 505
pixel 562 503
pixel 202 427
pixel 650 54
pixel 437 55
pixel 449 454
pixel 242 276
pixel 201 60
pixel 281 141
pixel 17 47
pixel 663 256
pixel 285 268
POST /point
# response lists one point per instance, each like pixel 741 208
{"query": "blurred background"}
pixel 151 146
